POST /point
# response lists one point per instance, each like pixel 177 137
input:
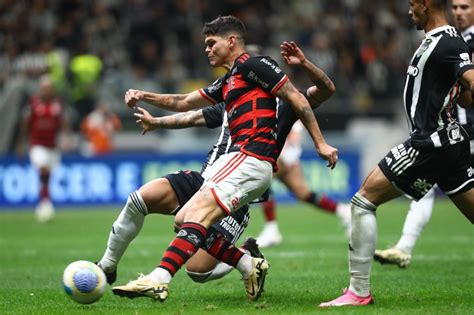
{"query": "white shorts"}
pixel 44 157
pixel 236 179
pixel 291 154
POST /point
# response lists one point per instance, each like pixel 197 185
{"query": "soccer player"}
pixel 437 151
pixel 43 120
pixel 420 211
pixel 249 90
pixel 290 173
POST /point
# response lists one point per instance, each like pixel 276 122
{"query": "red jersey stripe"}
pixel 279 84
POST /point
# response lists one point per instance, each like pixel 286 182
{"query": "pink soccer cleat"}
pixel 349 298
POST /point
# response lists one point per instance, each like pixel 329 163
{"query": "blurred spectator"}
pixel 85 70
pixel 98 129
pixel 43 120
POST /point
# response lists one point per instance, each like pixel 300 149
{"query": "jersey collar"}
pixel 438 29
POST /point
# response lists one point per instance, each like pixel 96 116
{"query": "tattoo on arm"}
pixel 181 120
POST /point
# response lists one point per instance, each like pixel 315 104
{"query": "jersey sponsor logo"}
pixel 422 185
pixel 454 134
pixel 182 233
pixel 230 225
pixel 214 86
pixel 466 60
pixel 398 152
pixel 413 71
pixel 230 84
pixel 271 65
pixel 253 76
pixel 470 171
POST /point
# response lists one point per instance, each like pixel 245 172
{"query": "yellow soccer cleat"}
pixel 255 282
pixel 393 256
pixel 143 287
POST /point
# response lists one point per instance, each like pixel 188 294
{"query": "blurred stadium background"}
pixel 96 50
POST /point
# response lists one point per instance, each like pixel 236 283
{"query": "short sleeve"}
pixel 213 92
pixel 264 72
pixel 455 56
pixel 213 115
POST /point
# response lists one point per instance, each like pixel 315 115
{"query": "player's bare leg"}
pixel 375 190
pixel 465 203
pixel 156 196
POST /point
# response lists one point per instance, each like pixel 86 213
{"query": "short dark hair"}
pixel 225 25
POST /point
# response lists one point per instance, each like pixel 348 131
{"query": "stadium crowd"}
pixel 95 50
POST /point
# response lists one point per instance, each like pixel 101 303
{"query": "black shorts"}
pixel 186 183
pixel 415 172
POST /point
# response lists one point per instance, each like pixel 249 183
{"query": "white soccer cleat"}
pixel 255 282
pixel 394 256
pixel 44 211
pixel 343 212
pixel 270 236
pixel 143 287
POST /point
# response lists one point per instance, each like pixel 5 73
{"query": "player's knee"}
pixel 199 277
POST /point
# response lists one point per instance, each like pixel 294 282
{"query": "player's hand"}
pixel 328 153
pixel 132 97
pixel 292 54
pixel 145 120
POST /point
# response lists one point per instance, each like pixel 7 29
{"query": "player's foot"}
pixel 110 276
pixel 393 256
pixel 250 245
pixel 255 282
pixel 44 211
pixel 143 287
pixel 343 212
pixel 349 298
pixel 270 236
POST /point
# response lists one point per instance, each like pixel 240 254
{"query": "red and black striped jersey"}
pixel 45 120
pixel 248 91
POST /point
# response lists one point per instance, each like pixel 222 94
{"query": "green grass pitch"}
pixel 308 268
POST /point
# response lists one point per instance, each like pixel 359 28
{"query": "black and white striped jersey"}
pixel 466 116
pixel 432 86
pixel 216 116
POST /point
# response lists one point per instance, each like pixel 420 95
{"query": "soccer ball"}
pixel 84 281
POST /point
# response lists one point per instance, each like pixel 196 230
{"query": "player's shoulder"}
pixel 258 60
pixel 450 36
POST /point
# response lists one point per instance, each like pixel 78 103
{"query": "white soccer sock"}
pixel 245 266
pixel 417 217
pixel 219 271
pixel 362 244
pixel 124 230
pixel 160 275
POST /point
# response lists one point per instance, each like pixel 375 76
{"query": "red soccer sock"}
pixel 269 210
pixel 188 240
pixel 224 251
pixel 44 181
pixel 322 201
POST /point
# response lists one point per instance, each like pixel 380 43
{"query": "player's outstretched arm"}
pixel 176 121
pixel 171 102
pixel 467 81
pixel 305 113
pixel 324 88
